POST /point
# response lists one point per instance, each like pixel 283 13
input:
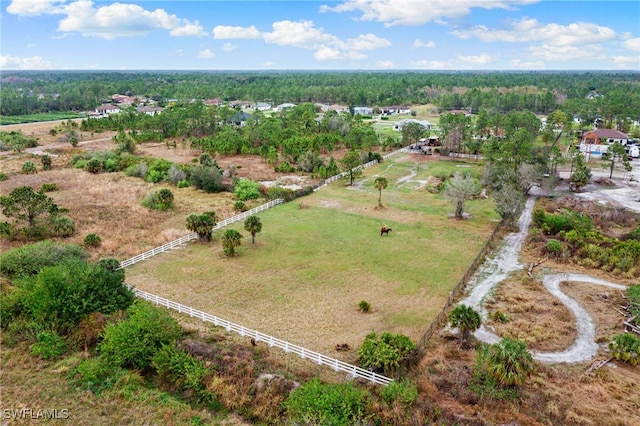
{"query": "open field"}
pixel 36 118
pixel 319 256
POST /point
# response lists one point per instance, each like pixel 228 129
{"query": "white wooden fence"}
pixel 320 359
pixel 185 239
pixel 327 181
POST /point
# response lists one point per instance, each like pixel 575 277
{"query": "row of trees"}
pixel 449 90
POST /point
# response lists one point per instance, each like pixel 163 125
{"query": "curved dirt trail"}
pixel 505 261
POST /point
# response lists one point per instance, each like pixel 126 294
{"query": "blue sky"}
pixel 320 35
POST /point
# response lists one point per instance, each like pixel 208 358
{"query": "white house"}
pixel 150 110
pixel 362 110
pixel 105 110
pixel 261 106
pixel 284 106
pixel 400 124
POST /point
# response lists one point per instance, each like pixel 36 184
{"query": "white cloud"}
pixel 550 52
pixel 31 45
pixel 229 47
pixel 108 21
pixel 206 54
pixel 222 32
pixel 299 34
pixel 34 7
pixel 180 52
pixel 304 34
pixel 627 62
pixel 8 62
pixel 385 64
pixel 417 12
pixel 633 44
pixel 530 30
pixel 527 65
pixel 475 60
pixel 432 65
pixel 427 44
pixel 189 29
pixel 367 42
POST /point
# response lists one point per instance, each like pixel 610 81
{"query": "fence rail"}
pixel 320 359
pixel 334 178
pixel 192 236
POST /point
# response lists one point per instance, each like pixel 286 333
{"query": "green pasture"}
pixel 33 118
pixel 319 255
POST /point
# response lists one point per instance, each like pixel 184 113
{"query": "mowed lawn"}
pixel 317 257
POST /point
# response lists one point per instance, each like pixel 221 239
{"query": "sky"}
pixel 319 35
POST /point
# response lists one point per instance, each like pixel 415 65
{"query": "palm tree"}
pixel 253 225
pixel 467 320
pixel 510 362
pixel 202 224
pixel 230 240
pixel 380 183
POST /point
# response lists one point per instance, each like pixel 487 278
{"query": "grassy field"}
pixel 33 118
pixel 319 256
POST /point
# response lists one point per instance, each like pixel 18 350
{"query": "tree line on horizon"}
pixel 591 95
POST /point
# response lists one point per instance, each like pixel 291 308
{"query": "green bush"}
pixel 48 187
pixel 554 247
pixel 184 184
pixel 209 179
pixel 626 347
pixel 28 167
pixel 46 162
pixel 3 176
pixel 92 240
pixel 385 353
pixel 137 170
pixel 94 166
pixel 285 168
pixel 364 306
pixel 94 375
pixel 246 189
pixel 334 404
pixel 401 391
pixel 64 226
pixel 80 164
pixel 62 295
pixel 159 200
pixel 31 258
pixel 180 370
pixel 154 176
pixel 111 165
pixel 133 342
pixel 49 345
pixel 240 206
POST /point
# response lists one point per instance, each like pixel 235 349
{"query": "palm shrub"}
pixel 202 224
pixel 364 306
pixel 28 167
pixel 253 225
pixel 467 320
pixel 510 362
pixel 64 226
pixel 159 200
pixel 92 240
pixel 31 258
pixel 209 179
pixel 626 347
pixel 384 353
pixel 230 240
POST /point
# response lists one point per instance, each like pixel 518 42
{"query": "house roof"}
pixel 609 134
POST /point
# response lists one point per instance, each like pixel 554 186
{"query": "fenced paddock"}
pixel 192 236
pixel 320 359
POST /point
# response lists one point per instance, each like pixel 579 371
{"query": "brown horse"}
pixel 384 230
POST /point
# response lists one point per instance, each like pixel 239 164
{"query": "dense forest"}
pixel 589 94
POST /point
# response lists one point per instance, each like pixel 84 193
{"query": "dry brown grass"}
pixel 534 316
